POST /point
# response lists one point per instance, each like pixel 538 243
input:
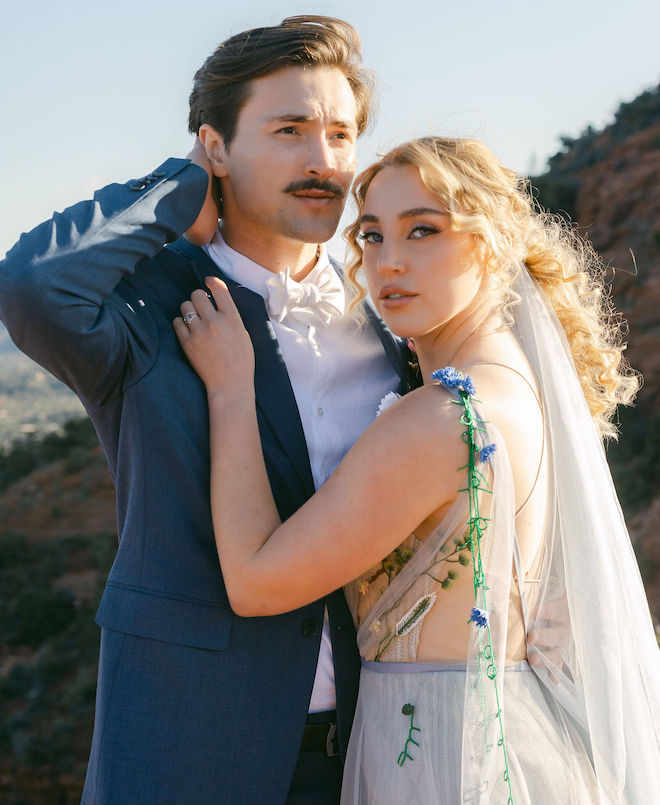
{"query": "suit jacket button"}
pixel 138 186
pixel 157 174
pixel 310 627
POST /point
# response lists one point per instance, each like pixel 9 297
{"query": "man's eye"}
pixel 422 231
pixel 287 130
pixel 370 237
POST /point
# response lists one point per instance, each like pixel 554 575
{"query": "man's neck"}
pixel 273 253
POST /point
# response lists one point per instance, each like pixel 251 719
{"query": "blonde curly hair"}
pixel 497 207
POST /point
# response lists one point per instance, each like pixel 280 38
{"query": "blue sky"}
pixel 93 93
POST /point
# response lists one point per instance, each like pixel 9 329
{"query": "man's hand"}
pixel 203 230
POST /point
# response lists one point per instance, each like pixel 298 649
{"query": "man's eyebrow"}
pixel 412 213
pixel 289 117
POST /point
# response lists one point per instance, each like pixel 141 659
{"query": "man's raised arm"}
pixel 55 283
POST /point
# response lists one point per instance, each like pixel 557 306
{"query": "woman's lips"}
pixel 393 298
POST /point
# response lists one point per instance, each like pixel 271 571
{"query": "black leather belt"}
pixel 321 737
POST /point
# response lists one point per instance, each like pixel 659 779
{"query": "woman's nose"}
pixel 389 261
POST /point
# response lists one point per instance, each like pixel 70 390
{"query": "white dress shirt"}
pixel 339 373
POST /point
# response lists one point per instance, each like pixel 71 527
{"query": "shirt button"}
pixel 310 627
pixel 319 411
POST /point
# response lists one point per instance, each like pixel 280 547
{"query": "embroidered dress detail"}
pixel 408 710
pixel 462 389
pixel 415 614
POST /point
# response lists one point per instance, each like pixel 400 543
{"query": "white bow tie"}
pixel 306 302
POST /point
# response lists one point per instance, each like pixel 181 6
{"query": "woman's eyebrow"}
pixel 415 211
pixel 412 213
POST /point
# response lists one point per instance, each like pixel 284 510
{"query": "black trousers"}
pixel 317 777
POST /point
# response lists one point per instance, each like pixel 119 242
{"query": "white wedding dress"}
pixel 581 725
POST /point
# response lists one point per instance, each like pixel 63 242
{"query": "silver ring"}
pixel 188 317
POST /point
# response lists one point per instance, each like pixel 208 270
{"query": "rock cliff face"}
pixel 619 205
pixel 609 184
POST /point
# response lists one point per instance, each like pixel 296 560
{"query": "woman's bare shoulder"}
pixel 425 422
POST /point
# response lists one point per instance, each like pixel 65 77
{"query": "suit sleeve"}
pixel 56 283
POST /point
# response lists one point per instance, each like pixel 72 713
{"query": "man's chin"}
pixel 312 232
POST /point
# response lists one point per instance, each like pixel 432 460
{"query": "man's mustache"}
pixel 315 184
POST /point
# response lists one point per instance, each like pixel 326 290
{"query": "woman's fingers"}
pixel 202 304
pixel 214 339
pixel 205 303
pixel 221 296
pixel 181 329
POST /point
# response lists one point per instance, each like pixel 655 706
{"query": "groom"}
pixel 194 704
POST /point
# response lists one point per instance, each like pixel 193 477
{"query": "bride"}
pixel 474 512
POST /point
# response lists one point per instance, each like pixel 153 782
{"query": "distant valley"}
pixel 31 400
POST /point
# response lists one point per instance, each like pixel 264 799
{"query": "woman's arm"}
pixel 389 483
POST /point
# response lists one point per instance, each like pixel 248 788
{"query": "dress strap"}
pixel 522 506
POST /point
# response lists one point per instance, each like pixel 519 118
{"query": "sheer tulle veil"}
pixel 608 677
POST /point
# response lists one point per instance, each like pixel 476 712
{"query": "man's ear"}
pixel 214 145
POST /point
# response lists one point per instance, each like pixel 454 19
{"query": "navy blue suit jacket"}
pixel 194 704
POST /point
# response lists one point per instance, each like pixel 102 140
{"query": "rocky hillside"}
pixel 57 542
pixel 608 182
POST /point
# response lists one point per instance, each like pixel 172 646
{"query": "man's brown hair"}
pixel 222 85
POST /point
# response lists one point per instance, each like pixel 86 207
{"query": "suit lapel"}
pixel 274 395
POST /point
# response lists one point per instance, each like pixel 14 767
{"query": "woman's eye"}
pixel 370 237
pixel 422 231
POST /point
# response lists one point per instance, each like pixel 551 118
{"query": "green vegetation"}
pixel 47 696
pixel 33 450
pixel 48 638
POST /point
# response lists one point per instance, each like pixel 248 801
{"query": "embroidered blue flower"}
pixel 486 453
pixel 449 377
pixel 479 616
pixel 469 387
pixel 452 378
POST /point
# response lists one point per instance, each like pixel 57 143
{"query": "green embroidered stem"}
pixel 477 525
pixel 408 710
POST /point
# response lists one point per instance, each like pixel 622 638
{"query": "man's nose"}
pixel 321 162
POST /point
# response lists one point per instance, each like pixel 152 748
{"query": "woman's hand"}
pixel 216 342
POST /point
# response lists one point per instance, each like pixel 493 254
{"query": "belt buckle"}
pixel 329 740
